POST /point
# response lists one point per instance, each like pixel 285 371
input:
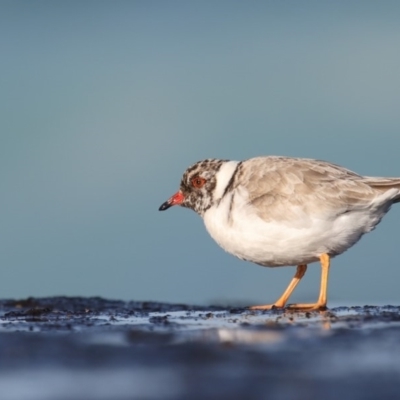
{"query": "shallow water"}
pixel 91 348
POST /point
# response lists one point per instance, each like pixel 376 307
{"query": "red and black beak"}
pixel 175 200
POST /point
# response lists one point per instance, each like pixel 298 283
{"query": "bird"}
pixel 280 211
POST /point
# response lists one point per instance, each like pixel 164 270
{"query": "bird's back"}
pixel 277 185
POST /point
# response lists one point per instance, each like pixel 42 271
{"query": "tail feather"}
pixel 384 184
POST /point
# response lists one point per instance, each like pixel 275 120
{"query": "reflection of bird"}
pixel 277 211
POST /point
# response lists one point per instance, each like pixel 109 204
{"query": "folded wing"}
pixel 293 188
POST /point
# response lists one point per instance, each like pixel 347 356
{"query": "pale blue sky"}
pixel 105 103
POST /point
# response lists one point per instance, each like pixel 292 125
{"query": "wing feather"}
pixel 289 188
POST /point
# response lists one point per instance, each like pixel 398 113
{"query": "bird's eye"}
pixel 198 182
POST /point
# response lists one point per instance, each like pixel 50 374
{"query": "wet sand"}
pixel 90 348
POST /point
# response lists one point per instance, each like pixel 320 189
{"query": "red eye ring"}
pixel 198 182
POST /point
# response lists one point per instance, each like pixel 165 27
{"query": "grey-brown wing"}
pixel 282 188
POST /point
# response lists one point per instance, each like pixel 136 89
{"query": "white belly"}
pixel 275 243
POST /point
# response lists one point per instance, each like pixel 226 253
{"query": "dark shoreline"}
pixel 149 350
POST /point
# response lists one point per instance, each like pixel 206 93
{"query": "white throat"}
pixel 223 177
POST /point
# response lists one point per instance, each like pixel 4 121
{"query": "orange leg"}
pixel 322 299
pixel 281 302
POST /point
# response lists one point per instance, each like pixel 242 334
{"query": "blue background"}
pixel 104 104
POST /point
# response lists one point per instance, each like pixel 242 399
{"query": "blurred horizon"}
pixel 105 104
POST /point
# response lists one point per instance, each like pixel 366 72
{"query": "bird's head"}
pixel 197 188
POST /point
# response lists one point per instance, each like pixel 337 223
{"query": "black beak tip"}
pixel 164 206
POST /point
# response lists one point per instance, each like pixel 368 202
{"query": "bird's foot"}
pixel 307 306
pixel 267 307
pixel 291 307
